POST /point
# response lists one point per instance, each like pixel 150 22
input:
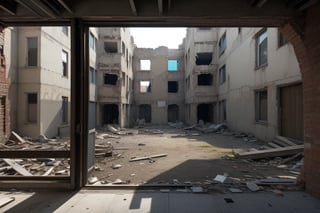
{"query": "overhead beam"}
pixel 8 6
pixel 29 8
pixel 160 7
pixel 258 3
pixel 65 6
pixel 133 7
pixel 44 8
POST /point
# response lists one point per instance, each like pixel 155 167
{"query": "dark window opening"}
pixel 110 114
pixel 172 86
pixel 110 47
pixel 222 110
pixel 145 112
pixel 204 58
pixel 173 113
pixel 92 76
pixel 32 51
pixel 222 74
pixel 281 40
pixel 32 109
pixel 261 105
pixel 92 41
pixel 205 113
pixel 64 109
pixel 110 79
pixel 205 79
pixel 222 44
pixel 262 48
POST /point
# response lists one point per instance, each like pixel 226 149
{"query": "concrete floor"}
pixel 122 201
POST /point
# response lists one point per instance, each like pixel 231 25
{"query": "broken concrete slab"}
pixel 235 190
pixel 283 151
pixel 220 178
pixel 252 186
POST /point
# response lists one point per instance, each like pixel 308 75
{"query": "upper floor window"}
pixel 222 44
pixel 262 48
pixel 32 45
pixel 110 47
pixel 65 63
pixel 65 30
pixel 205 79
pixel 145 64
pixel 281 39
pixel 172 65
pixel 222 74
pixel 92 76
pixel 92 41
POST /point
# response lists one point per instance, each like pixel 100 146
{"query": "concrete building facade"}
pixel 159 85
pixel 261 84
pixel 115 77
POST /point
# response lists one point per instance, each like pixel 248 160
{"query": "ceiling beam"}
pixel 29 8
pixel 65 6
pixel 258 3
pixel 160 7
pixel 43 8
pixel 133 7
pixel 8 6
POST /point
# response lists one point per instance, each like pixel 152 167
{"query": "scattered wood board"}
pixel 273 145
pixel 5 201
pixel 285 140
pixel 20 139
pixel 277 152
pixel 17 167
pixel 280 143
pixel 48 172
pixel 148 157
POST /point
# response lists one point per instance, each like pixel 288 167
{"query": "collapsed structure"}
pixel 248 78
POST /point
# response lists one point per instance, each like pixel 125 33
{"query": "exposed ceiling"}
pixel 155 12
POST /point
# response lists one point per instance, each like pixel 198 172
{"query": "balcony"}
pixel 211 68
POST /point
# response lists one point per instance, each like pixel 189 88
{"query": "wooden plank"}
pixel 5 201
pixel 17 137
pixel 17 167
pixel 277 152
pixel 285 140
pixel 35 154
pixel 148 157
pixel 273 145
pixel 48 172
pixel 280 143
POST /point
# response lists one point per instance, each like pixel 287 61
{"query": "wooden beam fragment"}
pixel 5 201
pixel 277 152
pixel 16 136
pixel 285 140
pixel 17 167
pixel 148 157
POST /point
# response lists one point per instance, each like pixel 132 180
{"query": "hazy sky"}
pixel 154 37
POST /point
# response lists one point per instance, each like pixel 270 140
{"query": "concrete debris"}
pixel 165 190
pixel 150 131
pixel 278 192
pixel 275 181
pixel 235 190
pixel 148 157
pixel 92 180
pixel 220 178
pixel 43 139
pixel 177 125
pixel 140 123
pixel 116 166
pixel 141 144
pixel 117 181
pixel 252 186
pixel 113 129
pixel 198 189
pixel 5 201
pixel 190 127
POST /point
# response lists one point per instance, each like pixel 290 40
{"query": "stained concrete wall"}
pixel 199 40
pixel 159 98
pixel 243 79
pixel 120 64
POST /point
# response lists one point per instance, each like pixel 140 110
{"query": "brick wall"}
pixel 4 86
pixel 307 48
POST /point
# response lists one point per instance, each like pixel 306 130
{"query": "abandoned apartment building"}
pixel 248 78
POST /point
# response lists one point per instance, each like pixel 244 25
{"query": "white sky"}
pixel 149 37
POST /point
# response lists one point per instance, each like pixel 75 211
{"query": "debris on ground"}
pixel 140 123
pixel 220 178
pixel 252 186
pixel 198 189
pixel 235 190
pixel 148 157
pixel 116 166
pixel 92 180
pixel 5 201
pixel 177 125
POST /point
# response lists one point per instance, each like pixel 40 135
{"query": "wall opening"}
pixel 110 47
pixel 110 114
pixel 145 86
pixel 205 113
pixel 110 79
pixel 173 86
pixel 204 58
pixel 145 112
pixel 205 79
pixel 173 113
